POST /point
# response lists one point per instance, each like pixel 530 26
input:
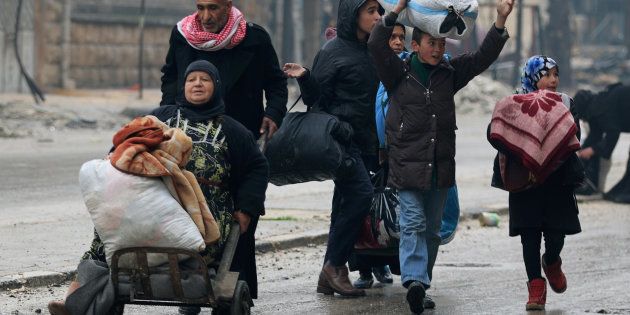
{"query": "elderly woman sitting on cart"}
pixel 232 174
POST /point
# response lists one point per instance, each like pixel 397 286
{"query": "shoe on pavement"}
pixel 365 281
pixel 383 274
pixel 429 304
pixel 58 308
pixel 537 295
pixel 557 280
pixel 337 278
pixel 323 286
pixel 415 297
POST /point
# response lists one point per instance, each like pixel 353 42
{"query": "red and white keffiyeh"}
pixel 232 34
pixel 537 128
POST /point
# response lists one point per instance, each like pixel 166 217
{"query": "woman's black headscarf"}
pixel 199 112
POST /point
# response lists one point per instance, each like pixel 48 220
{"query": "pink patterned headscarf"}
pixel 232 34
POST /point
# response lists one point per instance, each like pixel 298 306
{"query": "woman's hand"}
pixel 586 153
pixel 504 8
pixel 293 70
pixel 243 220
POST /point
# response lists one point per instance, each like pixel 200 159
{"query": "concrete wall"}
pixel 103 43
pixel 95 43
pixel 107 55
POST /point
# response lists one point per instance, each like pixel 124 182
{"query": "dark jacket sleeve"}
pixel 468 66
pixel 309 88
pixel 249 172
pixel 602 142
pixel 274 82
pixel 169 73
pixel 607 122
pixel 389 66
pixel 318 89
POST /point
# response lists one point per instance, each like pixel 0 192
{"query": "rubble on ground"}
pixel 21 119
pixel 598 66
pixel 480 96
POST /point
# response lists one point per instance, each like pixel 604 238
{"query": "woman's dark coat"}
pixel 248 175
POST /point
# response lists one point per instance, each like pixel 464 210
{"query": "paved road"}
pixel 480 272
pixel 42 212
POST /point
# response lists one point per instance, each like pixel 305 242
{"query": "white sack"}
pixel 130 211
pixel 428 15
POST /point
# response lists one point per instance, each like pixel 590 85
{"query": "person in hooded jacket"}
pixel 343 83
pixel 230 169
pixel 608 115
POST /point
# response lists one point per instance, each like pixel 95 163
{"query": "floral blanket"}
pixel 537 128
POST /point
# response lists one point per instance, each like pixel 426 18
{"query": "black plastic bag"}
pixel 380 229
pixel 308 147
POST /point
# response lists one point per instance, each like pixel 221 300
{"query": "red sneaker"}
pixel 557 280
pixel 537 295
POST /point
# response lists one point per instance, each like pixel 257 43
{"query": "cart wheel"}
pixel 242 301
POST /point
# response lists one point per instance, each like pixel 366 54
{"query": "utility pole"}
pixel 288 31
pixel 298 33
pixel 312 29
pixel 626 32
pixel 559 38
pixel 66 81
pixel 518 54
pixel 141 49
pixel 279 27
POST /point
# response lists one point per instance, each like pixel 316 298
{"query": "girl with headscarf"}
pixel 548 209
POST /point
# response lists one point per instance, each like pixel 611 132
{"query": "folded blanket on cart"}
pixel 537 128
pixel 148 147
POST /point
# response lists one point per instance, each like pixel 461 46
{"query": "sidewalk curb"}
pixel 47 278
pixel 276 243
pixel 36 279
pixel 282 242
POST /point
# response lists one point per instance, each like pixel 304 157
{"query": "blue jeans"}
pixel 450 217
pixel 420 222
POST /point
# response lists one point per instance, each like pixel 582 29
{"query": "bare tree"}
pixel 626 33
pixel 287 33
pixel 312 29
pixel 559 38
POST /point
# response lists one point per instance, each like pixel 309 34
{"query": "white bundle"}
pixel 129 211
pixel 429 15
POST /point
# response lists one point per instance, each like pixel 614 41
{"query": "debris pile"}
pixel 480 95
pixel 21 119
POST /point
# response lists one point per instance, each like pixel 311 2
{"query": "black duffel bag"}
pixel 309 146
